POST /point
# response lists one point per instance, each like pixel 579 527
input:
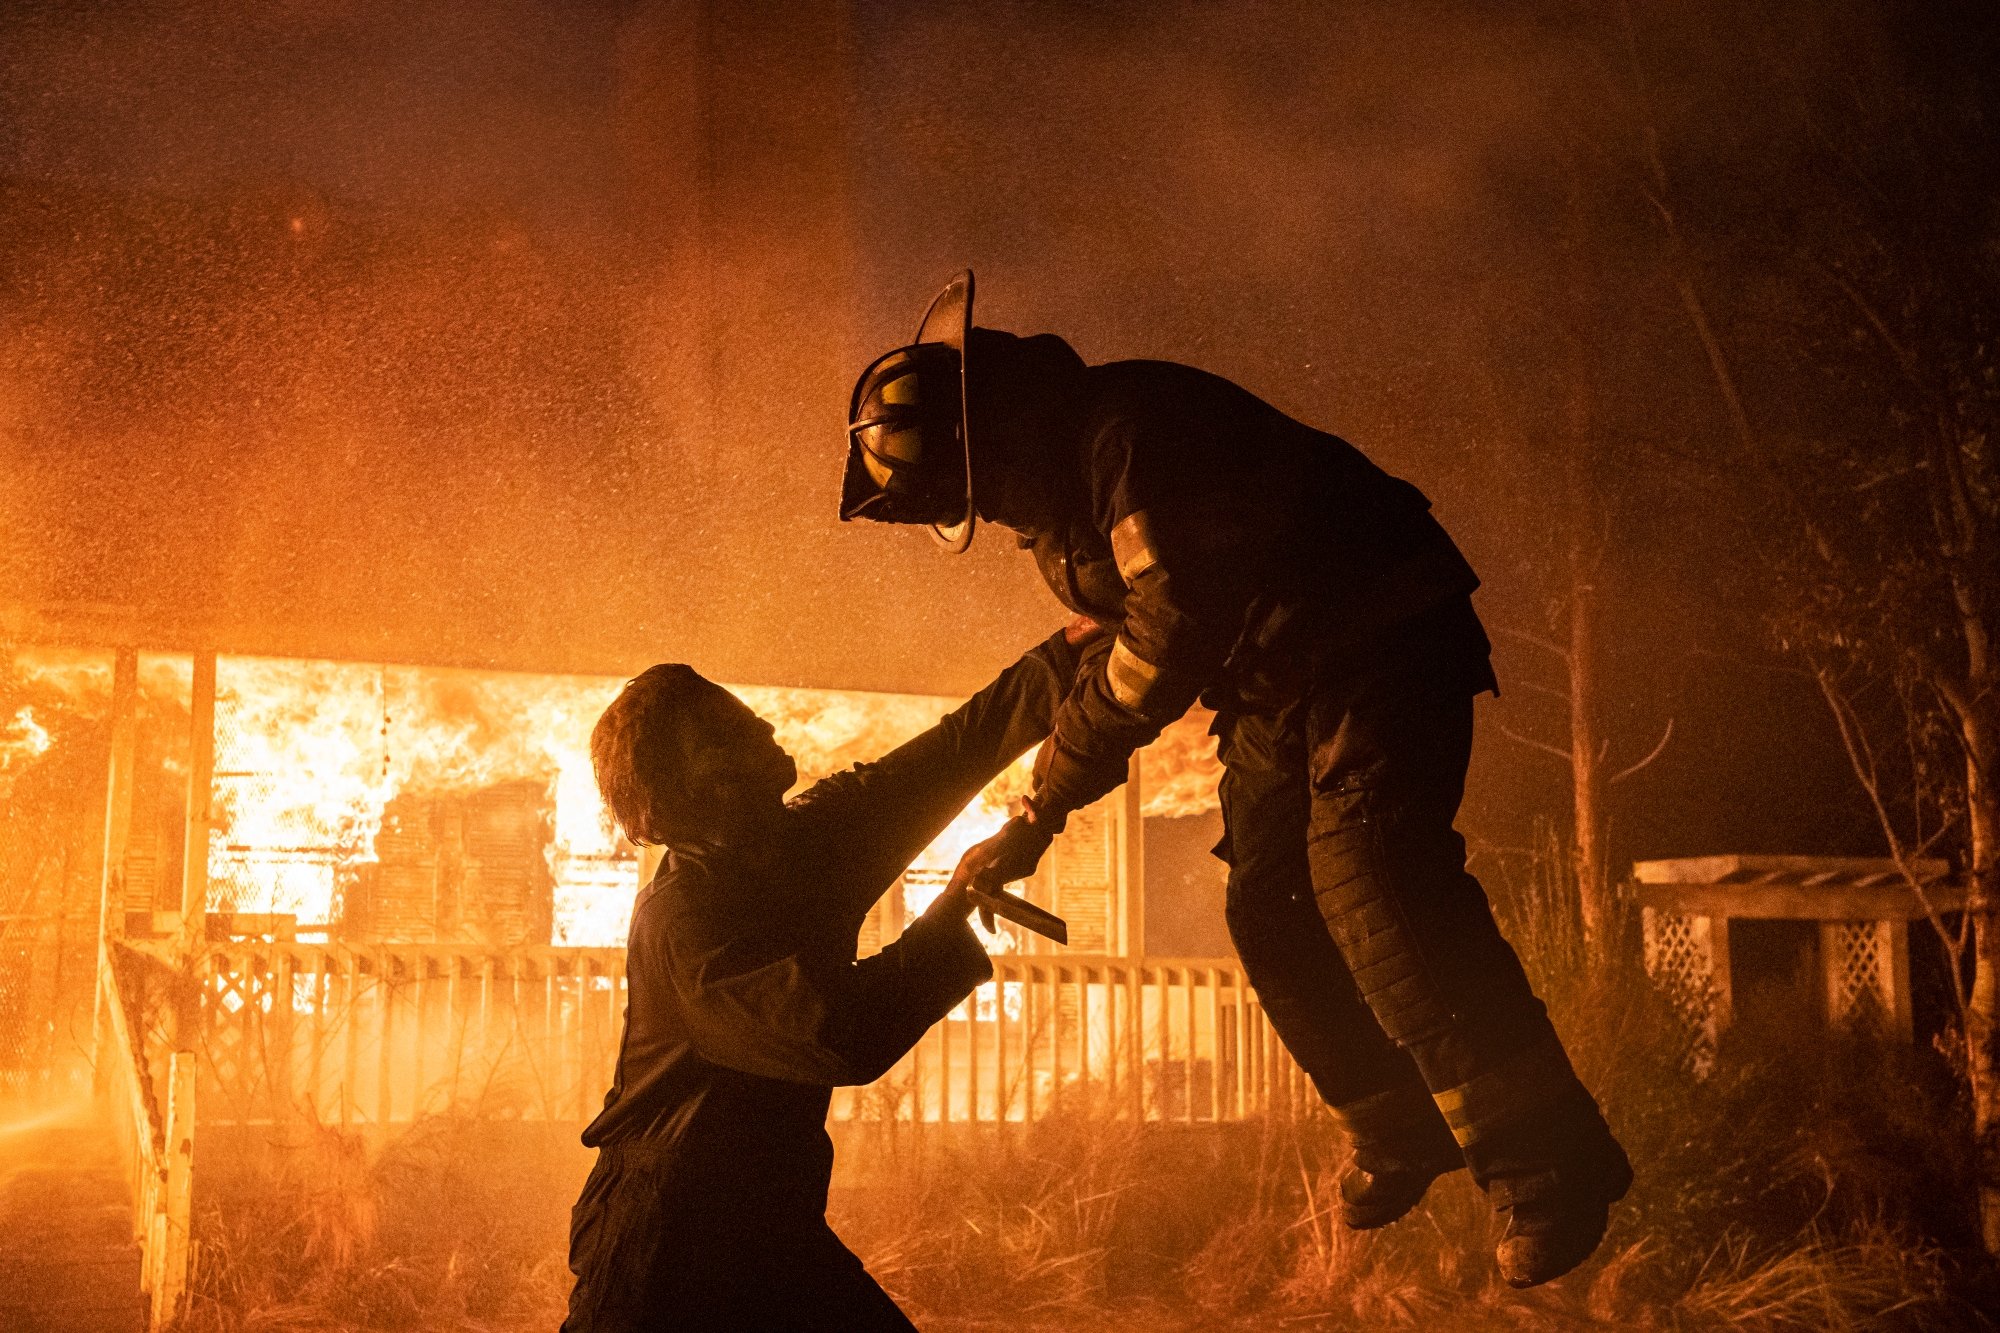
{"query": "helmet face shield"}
pixel 892 437
pixel 885 449
pixel 908 457
pixel 906 460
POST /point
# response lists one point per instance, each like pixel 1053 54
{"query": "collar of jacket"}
pixel 1026 415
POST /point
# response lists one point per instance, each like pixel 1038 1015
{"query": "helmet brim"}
pixel 949 321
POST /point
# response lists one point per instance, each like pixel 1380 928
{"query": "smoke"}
pixel 519 334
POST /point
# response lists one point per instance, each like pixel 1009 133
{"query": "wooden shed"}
pixel 1863 908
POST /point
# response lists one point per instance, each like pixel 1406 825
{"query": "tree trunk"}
pixel 1962 488
pixel 1585 559
pixel 1982 744
pixel 1593 876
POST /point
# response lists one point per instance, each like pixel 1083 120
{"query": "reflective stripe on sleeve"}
pixel 1130 676
pixel 1133 546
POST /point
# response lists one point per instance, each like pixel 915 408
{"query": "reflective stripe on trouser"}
pixel 1399 1127
pixel 1524 1085
pixel 1299 975
pixel 1387 756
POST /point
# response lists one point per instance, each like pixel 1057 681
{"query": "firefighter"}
pixel 706 1207
pixel 1310 599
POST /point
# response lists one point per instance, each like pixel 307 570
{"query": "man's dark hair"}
pixel 639 744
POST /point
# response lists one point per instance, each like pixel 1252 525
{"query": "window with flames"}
pixel 403 804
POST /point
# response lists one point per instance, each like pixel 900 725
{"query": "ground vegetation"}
pixel 1819 1184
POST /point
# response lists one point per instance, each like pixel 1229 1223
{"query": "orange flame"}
pixel 1178 773
pixel 30 739
pixel 22 741
pixel 309 754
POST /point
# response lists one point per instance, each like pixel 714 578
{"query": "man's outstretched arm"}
pixel 760 999
pixel 872 821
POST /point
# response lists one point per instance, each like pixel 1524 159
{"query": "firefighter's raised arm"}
pixel 875 818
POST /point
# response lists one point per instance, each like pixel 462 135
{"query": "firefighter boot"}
pixel 1401 1145
pixel 1539 1147
pixel 1557 1217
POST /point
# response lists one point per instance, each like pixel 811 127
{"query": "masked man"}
pixel 1309 597
pixel 706 1208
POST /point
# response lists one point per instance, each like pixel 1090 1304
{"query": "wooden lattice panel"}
pixel 1687 958
pixel 236 1066
pixel 1860 977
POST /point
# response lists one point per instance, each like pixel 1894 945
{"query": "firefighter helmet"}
pixel 909 454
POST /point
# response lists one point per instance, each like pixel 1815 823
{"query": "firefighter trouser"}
pixel 1373 951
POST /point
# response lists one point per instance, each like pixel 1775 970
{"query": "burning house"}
pixel 396 805
pixel 411 899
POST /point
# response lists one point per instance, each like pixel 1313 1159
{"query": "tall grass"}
pixel 1805 1184
pixel 455 1224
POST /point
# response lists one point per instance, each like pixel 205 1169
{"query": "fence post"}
pixel 192 946
pixel 117 837
pixel 1135 1055
pixel 171 1276
pixel 200 796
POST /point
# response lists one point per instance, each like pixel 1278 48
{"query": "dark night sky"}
pixel 521 333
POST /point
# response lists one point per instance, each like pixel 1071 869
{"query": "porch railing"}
pixel 1161 1039
pixel 384 1035
pixel 147 1093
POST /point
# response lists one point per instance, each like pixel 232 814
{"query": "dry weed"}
pixel 1874 1279
pixel 448 1226
pixel 1802 1185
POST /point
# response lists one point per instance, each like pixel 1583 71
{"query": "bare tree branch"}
pixel 1534 744
pixel 1547 645
pixel 1655 753
pixel 1906 361
pixel 1861 757
pixel 1892 474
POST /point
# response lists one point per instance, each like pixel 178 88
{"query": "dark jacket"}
pixel 746 1003
pixel 1237 551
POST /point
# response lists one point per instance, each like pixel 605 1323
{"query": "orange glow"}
pixel 23 738
pixel 310 754
pixel 1178 773
pixel 22 741
pixel 932 869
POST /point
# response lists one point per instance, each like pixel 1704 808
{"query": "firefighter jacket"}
pixel 746 1001
pixel 1237 551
